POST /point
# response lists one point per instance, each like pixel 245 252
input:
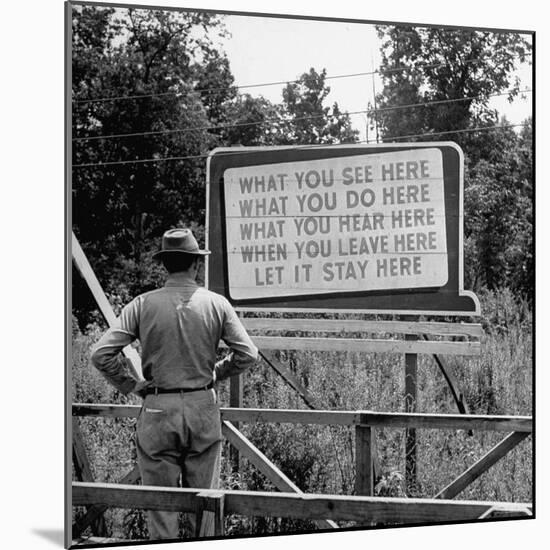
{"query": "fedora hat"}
pixel 179 241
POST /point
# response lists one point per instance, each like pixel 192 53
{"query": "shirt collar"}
pixel 179 279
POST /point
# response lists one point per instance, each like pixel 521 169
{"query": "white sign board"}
pixel 347 224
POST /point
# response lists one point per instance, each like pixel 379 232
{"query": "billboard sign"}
pixel 368 228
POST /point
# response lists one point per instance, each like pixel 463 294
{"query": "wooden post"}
pixel 236 401
pixel 411 397
pixel 209 515
pixel 364 461
pixel 83 472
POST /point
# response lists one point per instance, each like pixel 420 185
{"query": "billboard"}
pixel 350 227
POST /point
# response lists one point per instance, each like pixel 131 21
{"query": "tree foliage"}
pixel 499 215
pixel 302 118
pixel 458 68
pixel 313 122
pixel 161 79
pixel 437 85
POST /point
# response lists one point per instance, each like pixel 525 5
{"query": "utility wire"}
pixel 265 84
pixel 464 130
pixel 207 90
pixel 317 145
pixel 279 121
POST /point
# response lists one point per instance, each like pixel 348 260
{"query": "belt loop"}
pixel 156 390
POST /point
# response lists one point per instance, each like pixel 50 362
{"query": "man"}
pixel 178 432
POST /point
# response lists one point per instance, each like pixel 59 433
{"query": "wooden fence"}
pixel 323 509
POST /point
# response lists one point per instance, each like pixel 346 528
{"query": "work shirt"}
pixel 179 327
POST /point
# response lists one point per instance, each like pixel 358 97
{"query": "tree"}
pixel 253 121
pixel 156 68
pixel 301 119
pixel 459 69
pixel 499 216
pixel 441 80
pixel 308 120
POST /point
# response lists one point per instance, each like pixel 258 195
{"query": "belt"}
pixel 156 391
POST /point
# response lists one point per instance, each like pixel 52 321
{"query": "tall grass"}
pixel 321 459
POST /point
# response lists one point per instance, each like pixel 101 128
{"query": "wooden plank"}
pixel 411 398
pixel 374 509
pixel 291 505
pixel 265 466
pixel 235 400
pixel 209 515
pixel 364 460
pixel 256 457
pixel 496 512
pixel 81 463
pixel 499 423
pixel 83 472
pixel 290 379
pixel 85 269
pixel 448 421
pixel 482 465
pixel 115 495
pixel 292 416
pixel 366 345
pixel 363 326
pixel 131 478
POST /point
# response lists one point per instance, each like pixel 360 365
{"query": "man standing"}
pixel 179 326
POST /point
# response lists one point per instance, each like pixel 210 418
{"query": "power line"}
pixel 207 90
pixel 464 130
pixel 317 145
pixel 279 121
pixel 266 84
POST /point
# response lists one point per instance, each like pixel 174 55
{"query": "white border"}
pixel 461 291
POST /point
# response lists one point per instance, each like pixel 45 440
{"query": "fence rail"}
pixel 292 505
pixel 362 326
pixel 500 423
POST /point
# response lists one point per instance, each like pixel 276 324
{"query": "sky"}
pixel 266 49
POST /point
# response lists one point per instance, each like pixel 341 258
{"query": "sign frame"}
pixel 467 300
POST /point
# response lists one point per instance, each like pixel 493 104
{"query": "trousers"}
pixel 178 441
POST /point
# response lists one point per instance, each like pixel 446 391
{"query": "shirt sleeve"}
pixel 243 352
pixel 107 354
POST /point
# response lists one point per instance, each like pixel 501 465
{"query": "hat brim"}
pixel 163 253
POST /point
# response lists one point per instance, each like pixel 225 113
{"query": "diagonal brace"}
pixel 265 466
pixel 131 478
pixel 482 465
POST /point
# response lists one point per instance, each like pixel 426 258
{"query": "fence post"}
pixel 83 472
pixel 209 515
pixel 364 460
pixel 235 400
pixel 411 397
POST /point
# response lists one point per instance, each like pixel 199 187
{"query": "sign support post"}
pixel 236 401
pixel 411 398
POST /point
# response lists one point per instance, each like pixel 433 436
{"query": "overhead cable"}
pixel 279 121
pixel 316 145
pixel 266 84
